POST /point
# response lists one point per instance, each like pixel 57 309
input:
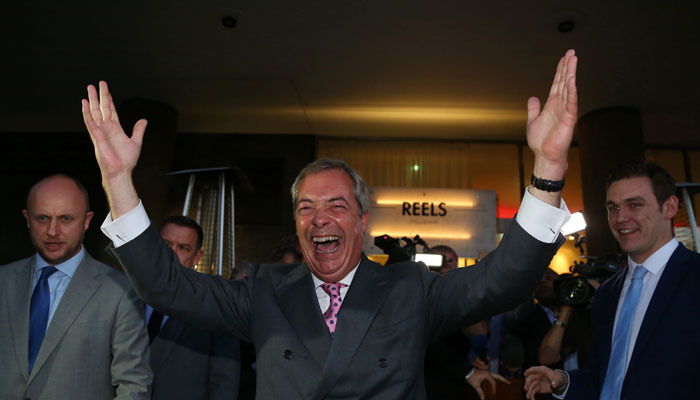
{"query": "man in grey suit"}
pixel 72 327
pixel 385 316
pixel 187 361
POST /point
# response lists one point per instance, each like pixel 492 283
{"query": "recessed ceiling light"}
pixel 229 21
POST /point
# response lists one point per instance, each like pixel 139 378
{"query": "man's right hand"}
pixel 544 380
pixel 116 153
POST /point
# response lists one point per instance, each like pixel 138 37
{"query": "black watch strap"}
pixel 546 185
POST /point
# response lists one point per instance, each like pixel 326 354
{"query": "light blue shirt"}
pixel 59 280
pixel 149 311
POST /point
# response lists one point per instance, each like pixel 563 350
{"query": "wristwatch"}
pixel 469 374
pixel 546 184
pixel 559 323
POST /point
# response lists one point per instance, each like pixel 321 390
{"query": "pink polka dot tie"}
pixel 336 300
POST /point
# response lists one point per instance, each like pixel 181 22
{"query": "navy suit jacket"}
pixel 665 363
pixel 191 363
pixel 388 317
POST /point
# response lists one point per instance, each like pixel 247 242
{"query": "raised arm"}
pixel 550 129
pixel 116 153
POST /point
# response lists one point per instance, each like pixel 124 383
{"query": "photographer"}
pixel 533 321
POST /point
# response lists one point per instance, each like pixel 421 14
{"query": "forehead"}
pixel 326 185
pixel 57 195
pixel 179 234
pixel 637 187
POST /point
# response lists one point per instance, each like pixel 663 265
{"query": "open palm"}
pixel 116 152
pixel 550 131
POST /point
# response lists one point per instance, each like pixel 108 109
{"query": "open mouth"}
pixel 326 244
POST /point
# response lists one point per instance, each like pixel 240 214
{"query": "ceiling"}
pixel 444 69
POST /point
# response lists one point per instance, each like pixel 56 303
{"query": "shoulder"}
pixel 108 275
pixel 13 266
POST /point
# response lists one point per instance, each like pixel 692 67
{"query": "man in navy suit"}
pixel 189 362
pixel 646 345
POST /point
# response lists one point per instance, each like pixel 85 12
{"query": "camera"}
pixel 404 249
pixel 574 290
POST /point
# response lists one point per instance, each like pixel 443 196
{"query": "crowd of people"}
pixel 328 323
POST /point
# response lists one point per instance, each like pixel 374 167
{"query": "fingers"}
pixel 533 109
pixel 87 117
pixel 500 378
pixel 557 77
pixel 94 105
pixel 479 392
pixel 105 101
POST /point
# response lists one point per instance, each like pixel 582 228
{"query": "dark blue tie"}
pixel 39 313
pixel 615 375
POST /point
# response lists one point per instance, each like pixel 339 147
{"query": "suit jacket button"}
pixel 382 362
pixel 288 354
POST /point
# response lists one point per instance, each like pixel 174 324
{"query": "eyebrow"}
pixel 627 200
pixel 331 200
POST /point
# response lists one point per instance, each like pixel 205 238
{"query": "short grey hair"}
pixel 359 186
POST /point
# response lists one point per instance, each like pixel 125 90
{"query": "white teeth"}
pixel 626 230
pixel 323 239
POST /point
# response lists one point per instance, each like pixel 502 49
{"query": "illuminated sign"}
pixel 462 219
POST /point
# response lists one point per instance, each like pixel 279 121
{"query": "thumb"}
pixel 533 109
pixel 138 131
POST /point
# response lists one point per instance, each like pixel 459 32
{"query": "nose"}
pixel 53 228
pixel 320 218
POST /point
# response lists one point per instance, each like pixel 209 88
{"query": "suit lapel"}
pixel 19 294
pixel 297 299
pixel 370 287
pixel 169 334
pixel 78 293
pixel 676 268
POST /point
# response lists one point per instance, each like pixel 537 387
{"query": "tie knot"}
pixel 639 272
pixel 46 272
pixel 332 288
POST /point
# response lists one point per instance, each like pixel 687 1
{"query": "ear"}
pixel 364 219
pixel 88 218
pixel 26 216
pixel 197 256
pixel 670 207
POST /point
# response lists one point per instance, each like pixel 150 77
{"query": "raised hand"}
pixel 116 153
pixel 550 130
pixel 544 380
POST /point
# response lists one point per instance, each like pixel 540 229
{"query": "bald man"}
pixel 73 327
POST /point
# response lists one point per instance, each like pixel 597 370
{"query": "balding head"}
pixel 58 181
pixel 57 217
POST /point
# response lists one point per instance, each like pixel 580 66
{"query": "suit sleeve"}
pixel 501 281
pixel 209 302
pixel 224 368
pixel 131 372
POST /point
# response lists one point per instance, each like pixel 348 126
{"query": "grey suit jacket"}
pixel 387 318
pixel 191 363
pixel 95 346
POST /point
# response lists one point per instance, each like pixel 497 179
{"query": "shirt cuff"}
pixel 541 220
pixel 563 395
pixel 127 227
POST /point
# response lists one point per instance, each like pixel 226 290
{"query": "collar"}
pixel 655 262
pixel 346 281
pixel 68 267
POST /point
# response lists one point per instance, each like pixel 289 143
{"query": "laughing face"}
pixel 57 219
pixel 329 224
pixel 635 218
